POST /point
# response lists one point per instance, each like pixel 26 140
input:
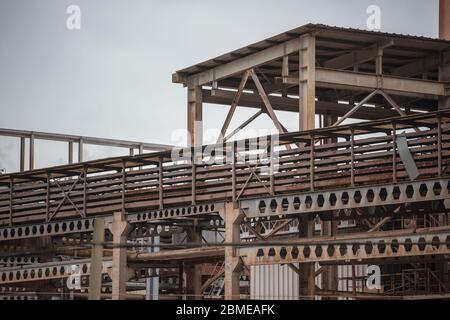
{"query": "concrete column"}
pixel 193 271
pixel 307 82
pixel 195 116
pixel 119 228
pixel 95 278
pixel 233 219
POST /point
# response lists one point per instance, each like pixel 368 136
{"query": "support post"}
pixel 444 76
pixel 330 273
pixel 70 155
pixel 233 219
pixel 307 82
pixel 193 271
pixel 95 278
pixel 119 228
pixel 161 183
pixel 22 154
pixel 195 116
pixel 80 150
pixel 152 283
pixel 32 152
pixel 307 272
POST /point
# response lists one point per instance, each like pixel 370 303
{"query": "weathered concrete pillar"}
pixel 95 278
pixel 193 271
pixel 233 219
pixel 119 228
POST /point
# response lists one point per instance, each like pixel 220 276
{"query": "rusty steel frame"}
pixel 330 174
pixel 125 185
pixel 361 247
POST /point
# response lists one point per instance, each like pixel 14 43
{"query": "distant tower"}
pixel 444 19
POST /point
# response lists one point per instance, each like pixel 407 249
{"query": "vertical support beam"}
pixel 95 278
pixel 379 61
pixel 195 116
pixel 394 153
pixel 307 272
pixel 352 158
pixel 123 184
pixel 161 183
pixel 193 271
pixel 444 73
pixel 152 283
pixel 131 151
pixel 119 229
pixel 270 153
pixel 307 82
pixel 233 219
pixel 11 193
pixel 354 279
pixel 22 154
pixel 194 177
pixel 80 150
pixel 85 183
pixel 233 172
pixel 439 142
pixel 285 67
pixel 70 155
pixel 311 164
pixel 31 152
pixel 330 273
pixel 47 200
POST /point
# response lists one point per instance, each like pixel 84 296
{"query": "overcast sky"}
pixel 112 78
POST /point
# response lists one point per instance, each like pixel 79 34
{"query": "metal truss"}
pixel 18 297
pixel 85 225
pixel 360 197
pixel 46 229
pixel 18 261
pixel 48 271
pixel 405 243
pixel 173 213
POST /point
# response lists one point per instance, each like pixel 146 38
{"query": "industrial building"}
pixel 352 205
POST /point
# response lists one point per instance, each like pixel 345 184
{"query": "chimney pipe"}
pixel 444 19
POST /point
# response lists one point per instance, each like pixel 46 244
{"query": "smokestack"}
pixel 444 19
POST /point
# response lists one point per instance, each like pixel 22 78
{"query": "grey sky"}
pixel 112 78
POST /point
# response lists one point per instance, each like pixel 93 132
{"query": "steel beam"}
pixel 242 64
pixel 349 198
pixel 352 247
pixel 48 271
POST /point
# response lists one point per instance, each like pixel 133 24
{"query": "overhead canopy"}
pixel 332 42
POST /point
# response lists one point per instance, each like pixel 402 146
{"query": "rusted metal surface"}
pixel 134 183
pixel 361 247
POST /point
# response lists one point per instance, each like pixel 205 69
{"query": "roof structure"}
pixel 331 41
